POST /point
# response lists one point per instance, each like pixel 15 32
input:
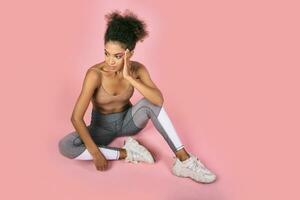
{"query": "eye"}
pixel 118 57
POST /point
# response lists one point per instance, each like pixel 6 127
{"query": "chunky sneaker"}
pixel 194 169
pixel 136 152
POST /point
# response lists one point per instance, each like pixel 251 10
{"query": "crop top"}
pixel 109 102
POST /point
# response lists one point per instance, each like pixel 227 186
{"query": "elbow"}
pixel 75 119
pixel 160 102
pixel 158 99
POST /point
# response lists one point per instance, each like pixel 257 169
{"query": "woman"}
pixel 110 85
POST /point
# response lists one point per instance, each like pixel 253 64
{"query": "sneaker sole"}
pixel 181 176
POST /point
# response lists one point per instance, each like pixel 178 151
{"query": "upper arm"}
pixel 90 84
pixel 144 76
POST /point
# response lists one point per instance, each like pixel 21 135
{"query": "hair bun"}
pixel 125 27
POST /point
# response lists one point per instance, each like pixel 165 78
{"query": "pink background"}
pixel 229 72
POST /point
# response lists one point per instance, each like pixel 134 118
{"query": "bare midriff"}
pixel 100 109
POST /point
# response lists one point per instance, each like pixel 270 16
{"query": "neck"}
pixel 113 75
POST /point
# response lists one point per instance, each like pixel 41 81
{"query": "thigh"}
pixel 128 125
pixel 103 135
pixel 100 135
pixel 138 116
pixel 71 145
pixel 73 138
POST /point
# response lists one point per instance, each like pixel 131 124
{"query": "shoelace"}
pixel 136 156
pixel 194 165
pixel 197 166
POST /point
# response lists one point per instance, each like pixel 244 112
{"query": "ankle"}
pixel 123 154
pixel 183 158
pixel 182 154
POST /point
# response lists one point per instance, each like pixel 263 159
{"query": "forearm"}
pixel 84 134
pixel 152 94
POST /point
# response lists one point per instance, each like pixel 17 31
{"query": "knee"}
pixel 146 102
pixel 63 147
pixel 146 107
pixel 68 148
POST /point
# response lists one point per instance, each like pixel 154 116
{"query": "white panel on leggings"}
pixel 166 123
pixel 109 154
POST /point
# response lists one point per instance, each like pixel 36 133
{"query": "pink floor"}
pixel 229 73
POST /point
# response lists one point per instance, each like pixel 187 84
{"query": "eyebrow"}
pixel 115 54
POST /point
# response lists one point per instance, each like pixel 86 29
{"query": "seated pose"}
pixel 110 85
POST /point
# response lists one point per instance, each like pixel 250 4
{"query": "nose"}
pixel 111 62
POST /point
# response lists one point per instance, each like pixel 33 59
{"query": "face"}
pixel 114 56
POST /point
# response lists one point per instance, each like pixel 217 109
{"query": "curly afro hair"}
pixel 126 29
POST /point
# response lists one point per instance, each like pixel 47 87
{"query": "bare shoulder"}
pixel 96 67
pixel 137 64
pixel 138 68
pixel 94 72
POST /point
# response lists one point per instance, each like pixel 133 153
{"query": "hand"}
pixel 100 161
pixel 127 66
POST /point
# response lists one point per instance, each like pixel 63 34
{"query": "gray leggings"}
pixel 104 128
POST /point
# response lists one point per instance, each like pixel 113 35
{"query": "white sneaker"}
pixel 136 152
pixel 194 169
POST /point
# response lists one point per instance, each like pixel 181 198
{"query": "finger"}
pixel 125 57
pixel 97 167
pixel 127 54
